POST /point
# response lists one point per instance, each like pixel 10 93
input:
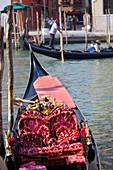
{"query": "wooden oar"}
pixel 61 36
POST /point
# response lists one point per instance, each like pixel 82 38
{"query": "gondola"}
pixel 49 131
pixel 68 54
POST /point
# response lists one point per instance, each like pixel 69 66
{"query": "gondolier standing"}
pixel 52 32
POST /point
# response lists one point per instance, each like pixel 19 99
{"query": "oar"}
pixel 61 37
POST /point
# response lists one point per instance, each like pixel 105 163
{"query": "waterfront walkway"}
pixel 77 35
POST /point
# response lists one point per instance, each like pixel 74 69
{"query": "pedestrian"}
pixel 74 22
pixel 52 32
pixel 50 22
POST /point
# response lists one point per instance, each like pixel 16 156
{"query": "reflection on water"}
pixel 90 83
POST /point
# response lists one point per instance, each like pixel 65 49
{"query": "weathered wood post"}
pixel 2 151
pixel 42 27
pixel 10 69
pixel 61 37
pixel 65 24
pixel 37 17
pixel 14 30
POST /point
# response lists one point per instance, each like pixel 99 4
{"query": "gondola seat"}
pixel 55 136
pixel 32 165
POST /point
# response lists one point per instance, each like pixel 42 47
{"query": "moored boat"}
pixel 68 54
pixel 49 131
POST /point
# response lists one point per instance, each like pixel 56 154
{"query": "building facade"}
pixel 102 15
pixel 101 11
pixel 3 3
pixel 45 8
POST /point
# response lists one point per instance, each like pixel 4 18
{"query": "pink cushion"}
pixel 32 166
pixel 64 124
pixel 74 159
pixel 72 136
pixel 55 151
pixel 34 125
pixel 31 140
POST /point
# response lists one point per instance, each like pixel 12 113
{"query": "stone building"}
pixel 101 11
pixel 45 8
pixel 102 15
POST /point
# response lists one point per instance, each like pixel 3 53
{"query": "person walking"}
pixel 52 32
pixel 74 22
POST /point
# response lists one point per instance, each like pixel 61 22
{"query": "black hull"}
pixel 38 71
pixel 68 54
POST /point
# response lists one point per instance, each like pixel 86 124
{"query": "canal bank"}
pixel 76 36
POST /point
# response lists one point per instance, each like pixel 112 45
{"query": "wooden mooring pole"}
pixel 2 151
pixel 38 31
pixel 10 69
pixel 65 25
pixel 61 37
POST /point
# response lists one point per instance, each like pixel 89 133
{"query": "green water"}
pixel 90 83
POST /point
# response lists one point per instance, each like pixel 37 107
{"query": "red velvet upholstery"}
pixel 35 128
pixel 74 159
pixel 70 136
pixel 31 140
pixel 64 125
pixel 32 113
pixel 56 150
pixel 55 136
pixel 32 166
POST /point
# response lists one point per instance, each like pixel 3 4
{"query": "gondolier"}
pixel 52 32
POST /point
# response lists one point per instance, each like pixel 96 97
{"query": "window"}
pixel 66 2
pixel 108 4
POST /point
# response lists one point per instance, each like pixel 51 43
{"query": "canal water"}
pixel 90 83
